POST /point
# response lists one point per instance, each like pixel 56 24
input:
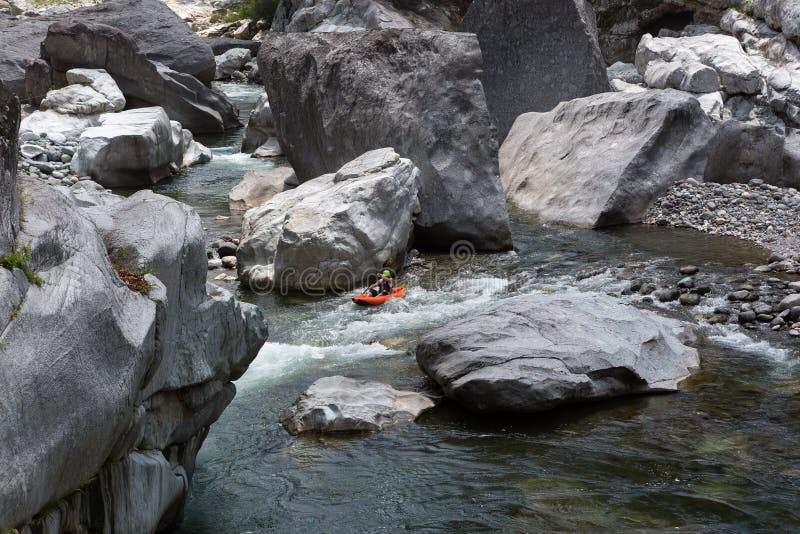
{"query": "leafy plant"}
pixel 18 259
pixel 252 9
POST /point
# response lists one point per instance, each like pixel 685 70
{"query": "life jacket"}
pixel 385 286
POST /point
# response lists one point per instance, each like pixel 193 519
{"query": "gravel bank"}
pixel 764 214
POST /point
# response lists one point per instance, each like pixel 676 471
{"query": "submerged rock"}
pixel 602 160
pixel 536 53
pixel 339 404
pixel 536 352
pixel 417 91
pixel 332 232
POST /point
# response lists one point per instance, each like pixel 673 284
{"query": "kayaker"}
pixel 383 286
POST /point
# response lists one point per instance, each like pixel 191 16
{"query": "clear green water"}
pixel 722 455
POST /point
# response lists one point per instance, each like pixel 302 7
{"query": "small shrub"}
pixel 18 259
pixel 252 9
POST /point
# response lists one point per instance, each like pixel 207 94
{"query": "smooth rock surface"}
pixel 535 352
pixel 100 81
pixel 257 187
pixel 329 235
pixel 602 160
pixel 536 53
pixel 740 152
pixel 183 97
pixel 134 147
pixel 51 122
pixel 159 33
pixel 76 100
pixel 417 91
pixel 340 404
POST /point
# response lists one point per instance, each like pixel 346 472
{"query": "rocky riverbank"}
pixel 758 212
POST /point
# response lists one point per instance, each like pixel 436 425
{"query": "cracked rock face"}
pixel 536 352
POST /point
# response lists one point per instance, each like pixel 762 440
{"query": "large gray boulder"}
pixel 340 404
pixel 354 15
pixel 130 148
pixel 9 200
pixel 160 34
pixel 535 352
pixel 143 82
pixel 740 152
pixel 332 232
pixel 602 160
pixel 117 388
pixel 230 61
pixel 417 91
pixel 535 54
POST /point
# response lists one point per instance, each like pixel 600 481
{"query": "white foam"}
pixel 276 360
pixel 732 337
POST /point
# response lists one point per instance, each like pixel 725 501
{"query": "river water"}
pixel 722 454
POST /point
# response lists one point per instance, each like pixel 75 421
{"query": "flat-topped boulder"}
pixel 416 91
pixel 340 404
pixel 536 53
pixel 329 233
pixel 536 352
pixel 133 147
pixel 602 160
pixel 95 46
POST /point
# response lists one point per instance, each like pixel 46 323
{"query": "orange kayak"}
pixel 367 300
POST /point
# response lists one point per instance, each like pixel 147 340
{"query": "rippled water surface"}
pixel 722 455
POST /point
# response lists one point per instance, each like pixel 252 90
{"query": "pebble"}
pixel 214 264
pixel 755 212
pixel 686 283
pixel 689 270
pixel 229 262
pixel 689 299
pixel 667 295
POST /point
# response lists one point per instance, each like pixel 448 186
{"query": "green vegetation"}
pixel 15 311
pixel 19 259
pixel 250 9
pixel 133 279
pixel 47 3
